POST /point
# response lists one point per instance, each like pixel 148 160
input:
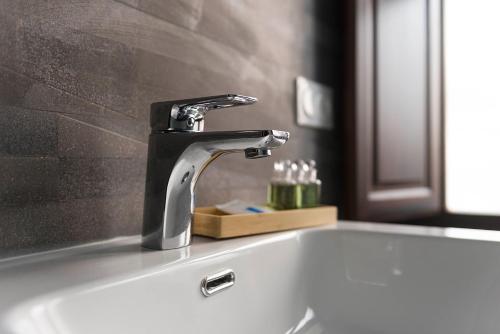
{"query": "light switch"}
pixel 314 104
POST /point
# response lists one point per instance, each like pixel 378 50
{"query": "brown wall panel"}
pixel 401 99
pixel 76 82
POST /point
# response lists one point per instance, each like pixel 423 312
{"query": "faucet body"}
pixel 176 158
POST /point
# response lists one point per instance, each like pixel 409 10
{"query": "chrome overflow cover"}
pixel 217 282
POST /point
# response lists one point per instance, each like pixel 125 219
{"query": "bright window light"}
pixel 472 81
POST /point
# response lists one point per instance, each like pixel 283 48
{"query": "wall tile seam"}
pixel 103 130
pixel 265 60
pixel 102 107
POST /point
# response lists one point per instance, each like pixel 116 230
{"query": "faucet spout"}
pixel 175 161
pixel 256 153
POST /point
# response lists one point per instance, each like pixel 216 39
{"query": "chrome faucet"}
pixel 178 153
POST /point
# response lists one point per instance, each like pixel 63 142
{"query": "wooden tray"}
pixel 211 222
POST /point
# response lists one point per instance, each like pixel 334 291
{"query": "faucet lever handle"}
pixel 188 115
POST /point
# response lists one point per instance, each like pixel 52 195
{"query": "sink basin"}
pixel 354 278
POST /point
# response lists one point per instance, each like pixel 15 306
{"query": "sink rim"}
pixel 123 258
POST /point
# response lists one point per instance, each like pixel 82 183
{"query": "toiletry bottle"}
pixel 311 191
pixel 282 195
pixel 277 179
pixel 302 182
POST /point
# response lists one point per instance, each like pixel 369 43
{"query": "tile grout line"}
pixel 7 68
pixel 102 129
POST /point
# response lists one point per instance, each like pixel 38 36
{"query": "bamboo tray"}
pixel 211 222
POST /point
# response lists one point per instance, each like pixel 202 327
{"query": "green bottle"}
pixel 282 193
pixel 310 186
pixel 276 179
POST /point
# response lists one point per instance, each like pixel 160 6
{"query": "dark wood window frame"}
pixel 360 14
pixel 367 198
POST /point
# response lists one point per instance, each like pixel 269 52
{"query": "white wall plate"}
pixel 314 104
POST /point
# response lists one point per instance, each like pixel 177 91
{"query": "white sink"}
pixel 357 278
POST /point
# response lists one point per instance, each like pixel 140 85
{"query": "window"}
pixel 472 102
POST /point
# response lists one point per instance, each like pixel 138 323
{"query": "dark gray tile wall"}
pixel 76 82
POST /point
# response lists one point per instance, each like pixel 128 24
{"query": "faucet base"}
pixel 153 241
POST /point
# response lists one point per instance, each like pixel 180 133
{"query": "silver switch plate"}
pixel 314 104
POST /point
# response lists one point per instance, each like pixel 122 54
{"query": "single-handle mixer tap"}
pixel 178 153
